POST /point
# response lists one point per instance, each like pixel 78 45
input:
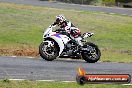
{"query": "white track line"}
pixel 68 81
pixel 46 80
pixel 57 81
pixel 30 57
pixel 39 80
pixel 112 13
pixel 17 79
pixel 127 84
pixel 13 56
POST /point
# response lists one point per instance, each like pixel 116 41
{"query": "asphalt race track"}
pixel 72 6
pixel 58 70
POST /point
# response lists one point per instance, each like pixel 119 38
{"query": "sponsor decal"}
pixel 82 78
pixel 57 35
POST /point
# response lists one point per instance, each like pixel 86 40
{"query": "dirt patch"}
pixel 19 52
pixel 35 53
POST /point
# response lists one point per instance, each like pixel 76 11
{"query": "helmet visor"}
pixel 58 20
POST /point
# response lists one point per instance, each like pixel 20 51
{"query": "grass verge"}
pixel 36 84
pixel 22 26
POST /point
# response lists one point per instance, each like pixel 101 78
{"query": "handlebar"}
pixel 60 29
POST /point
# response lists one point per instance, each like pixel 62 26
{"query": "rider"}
pixel 69 28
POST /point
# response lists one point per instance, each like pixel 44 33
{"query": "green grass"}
pixel 23 26
pixel 36 84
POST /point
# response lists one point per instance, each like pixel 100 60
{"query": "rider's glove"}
pixel 73 31
pixel 67 29
pixel 54 24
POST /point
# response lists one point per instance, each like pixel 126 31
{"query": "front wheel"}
pixel 48 50
pixel 91 54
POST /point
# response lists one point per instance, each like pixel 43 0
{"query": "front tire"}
pixel 48 53
pixel 93 55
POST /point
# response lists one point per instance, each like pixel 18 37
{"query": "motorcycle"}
pixel 60 44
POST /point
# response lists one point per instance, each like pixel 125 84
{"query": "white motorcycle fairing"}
pixel 60 39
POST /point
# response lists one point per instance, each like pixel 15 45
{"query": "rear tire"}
pixel 88 56
pixel 46 55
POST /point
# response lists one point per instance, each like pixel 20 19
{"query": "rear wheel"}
pixel 92 54
pixel 48 50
